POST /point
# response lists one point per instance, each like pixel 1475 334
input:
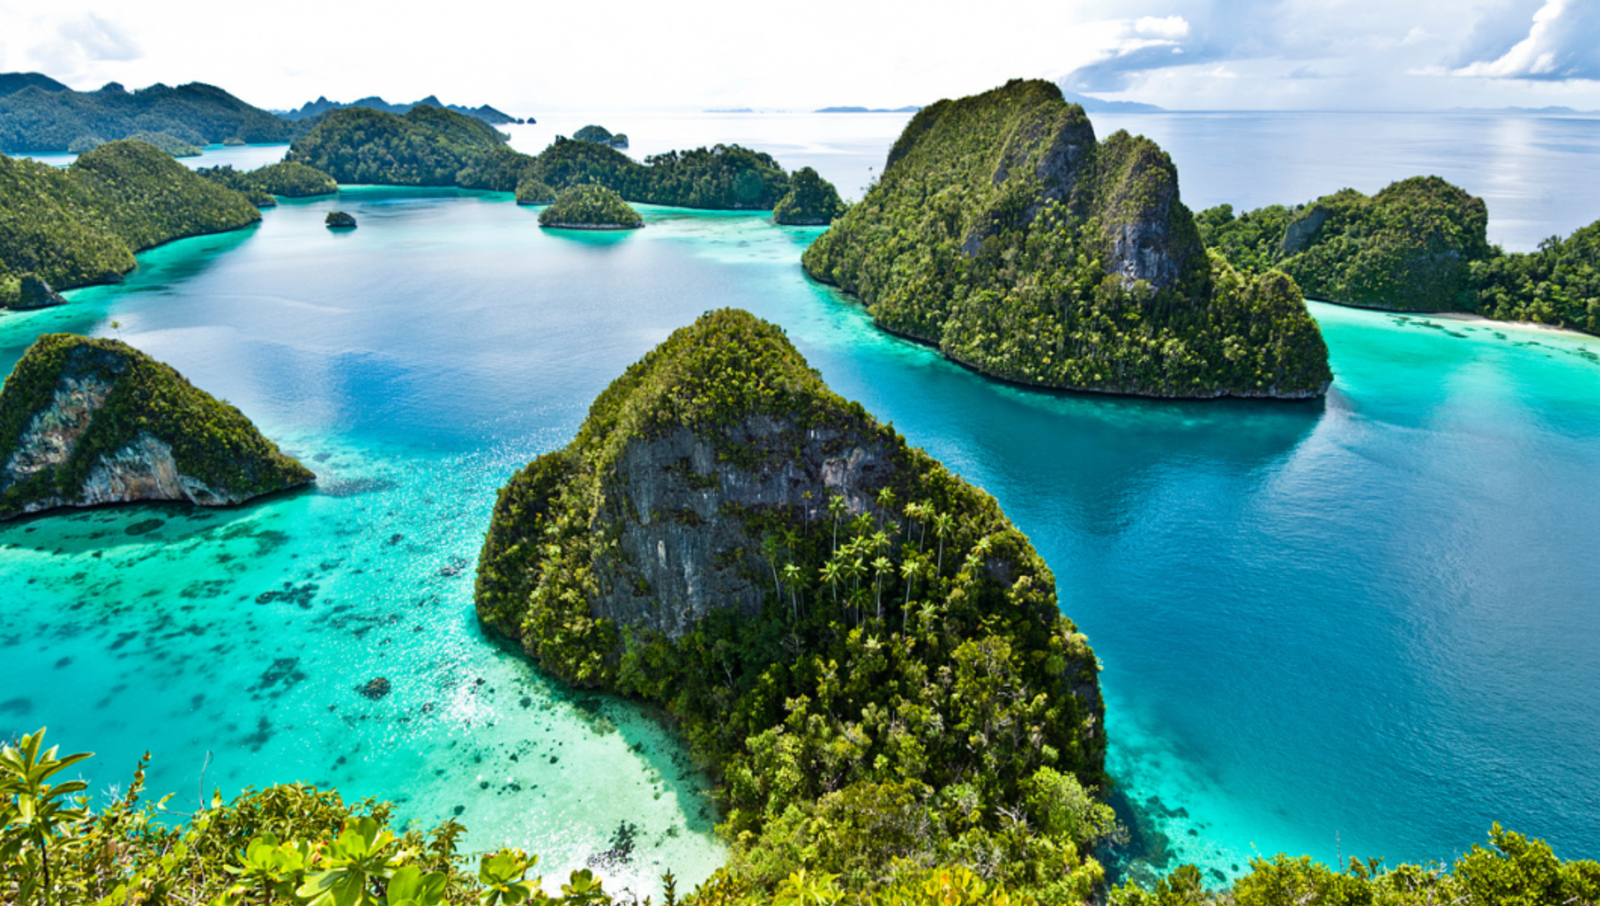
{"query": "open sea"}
pixel 1362 626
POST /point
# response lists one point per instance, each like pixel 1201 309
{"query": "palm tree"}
pixel 943 525
pixel 837 508
pixel 880 567
pixel 792 578
pixel 832 572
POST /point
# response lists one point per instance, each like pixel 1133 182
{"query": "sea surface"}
pixel 1363 626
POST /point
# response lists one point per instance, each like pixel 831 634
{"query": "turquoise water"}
pixel 1359 626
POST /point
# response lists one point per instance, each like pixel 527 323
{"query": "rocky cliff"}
pixel 729 538
pixel 1005 233
pixel 88 422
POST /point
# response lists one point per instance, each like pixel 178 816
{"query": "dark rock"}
pixel 339 220
pixel 36 293
pixel 374 688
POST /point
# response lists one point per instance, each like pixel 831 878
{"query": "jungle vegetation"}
pixel 210 440
pixel 1558 284
pixel 286 178
pixel 908 694
pixel 432 147
pixel 171 144
pixel 811 201
pixel 590 206
pixel 532 191
pixel 1004 233
pixel 81 224
pixel 1410 247
pixel 48 116
pixel 295 845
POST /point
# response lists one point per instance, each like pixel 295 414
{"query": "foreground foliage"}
pixel 432 147
pixel 81 224
pixel 1004 233
pixel 294 845
pixel 48 116
pixel 902 691
pixel 210 440
pixel 590 207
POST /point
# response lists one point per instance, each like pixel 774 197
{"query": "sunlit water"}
pixel 1362 626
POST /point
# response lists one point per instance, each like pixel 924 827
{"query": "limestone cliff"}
pixel 725 534
pixel 88 422
pixel 1004 232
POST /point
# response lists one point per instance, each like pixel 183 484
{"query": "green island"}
pixel 81 224
pixel 171 144
pixel 39 114
pixel 532 191
pixel 435 147
pixel 87 422
pixel 286 178
pixel 812 201
pixel 339 220
pixel 601 135
pixel 1420 245
pixel 1004 233
pixel 590 207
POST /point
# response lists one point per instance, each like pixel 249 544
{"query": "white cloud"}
pixel 1169 27
pixel 1563 43
pixel 99 40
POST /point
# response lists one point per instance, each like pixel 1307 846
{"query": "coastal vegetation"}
pixel 171 144
pixel 89 421
pixel 81 224
pixel 43 115
pixel 811 201
pixel 339 220
pixel 1418 245
pixel 433 147
pixel 532 191
pixel 590 207
pixel 1004 233
pixel 289 179
pixel 1409 248
pixel 601 135
pixel 873 664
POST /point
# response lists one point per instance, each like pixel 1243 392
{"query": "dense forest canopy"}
pixel 894 679
pixel 587 205
pixel 81 224
pixel 39 118
pixel 1002 231
pixel 811 201
pixel 1418 245
pixel 287 178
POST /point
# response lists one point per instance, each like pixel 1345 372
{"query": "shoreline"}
pixel 1467 317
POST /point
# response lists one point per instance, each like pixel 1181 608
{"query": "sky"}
pixel 531 56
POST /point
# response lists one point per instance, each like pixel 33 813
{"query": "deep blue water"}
pixel 1360 626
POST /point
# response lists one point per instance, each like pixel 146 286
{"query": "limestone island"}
pixel 1003 232
pixel 812 201
pixel 86 422
pixel 339 220
pixel 587 206
pixel 600 135
pixel 531 191
pixel 850 635
pixel 288 178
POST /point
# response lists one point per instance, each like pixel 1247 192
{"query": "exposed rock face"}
pixel 683 544
pixel 36 294
pixel 92 422
pixel 1297 236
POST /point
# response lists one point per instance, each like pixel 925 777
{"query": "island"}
pixel 171 144
pixel 600 135
pixel 339 220
pixel 531 191
pixel 314 109
pixel 1418 245
pixel 289 179
pixel 1005 234
pixel 856 640
pixel 590 207
pixel 86 422
pixel 811 201
pixel 82 224
pixel 39 114
pixel 435 147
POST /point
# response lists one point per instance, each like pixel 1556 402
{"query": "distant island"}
pixel 321 105
pixel 287 178
pixel 1096 105
pixel 867 110
pixel 590 207
pixel 1003 232
pixel 89 422
pixel 731 110
pixel 601 136
pixel 1418 245
pixel 40 114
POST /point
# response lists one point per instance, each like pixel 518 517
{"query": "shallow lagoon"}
pixel 1360 625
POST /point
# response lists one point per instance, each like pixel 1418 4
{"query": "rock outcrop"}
pixel 723 516
pixel 34 292
pixel 339 220
pixel 90 422
pixel 1005 233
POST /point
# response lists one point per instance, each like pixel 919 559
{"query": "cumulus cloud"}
pixel 1562 43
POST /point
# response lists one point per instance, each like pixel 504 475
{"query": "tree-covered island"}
pixel 590 207
pixel 89 422
pixel 601 135
pixel 1003 232
pixel 286 178
pixel 81 224
pixel 811 201
pixel 1419 244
